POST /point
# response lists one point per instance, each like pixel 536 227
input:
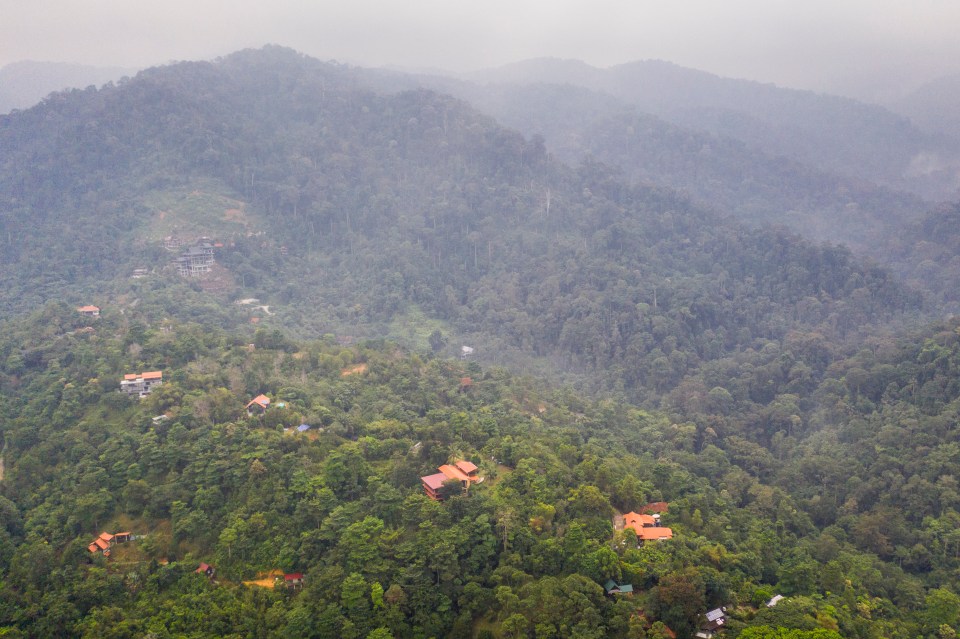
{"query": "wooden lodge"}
pixel 463 471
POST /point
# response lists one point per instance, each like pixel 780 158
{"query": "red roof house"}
pixel 260 403
pixel 647 527
pixel 293 580
pixel 463 471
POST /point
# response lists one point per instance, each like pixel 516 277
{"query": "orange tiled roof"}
pixel 434 482
pixel 153 375
pixel 465 466
pixel 93 548
pixel 453 472
pixel 106 536
pixel 89 309
pixel 635 520
pixel 646 527
pixel 101 544
pixel 261 400
pixel 130 376
pixel 650 533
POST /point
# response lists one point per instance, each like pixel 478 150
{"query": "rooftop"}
pixel 434 482
pixel 260 400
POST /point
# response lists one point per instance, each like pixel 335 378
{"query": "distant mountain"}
pixel 934 107
pixel 23 84
pixel 716 171
pixel 348 211
pixel 827 133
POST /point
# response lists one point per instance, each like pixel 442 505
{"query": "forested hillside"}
pixel 778 402
pixel 23 84
pixel 363 208
pixel 523 553
pixel 715 171
pixel 840 135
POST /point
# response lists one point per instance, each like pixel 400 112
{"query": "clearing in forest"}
pixel 353 370
pixel 265 579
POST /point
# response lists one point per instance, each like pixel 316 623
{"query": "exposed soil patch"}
pixel 265 580
pixel 354 370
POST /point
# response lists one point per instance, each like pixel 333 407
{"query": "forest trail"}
pixel 3 454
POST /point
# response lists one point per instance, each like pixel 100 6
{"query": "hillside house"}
pixel 141 384
pixel 714 620
pixel 293 580
pixel 647 527
pixel 105 541
pixel 613 588
pixel 196 260
pixel 463 471
pixel 205 569
pixel 258 405
pixel 89 311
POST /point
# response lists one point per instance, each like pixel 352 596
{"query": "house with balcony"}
pixel 463 471
pixel 141 384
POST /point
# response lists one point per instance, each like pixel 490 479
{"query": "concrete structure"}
pixel 141 384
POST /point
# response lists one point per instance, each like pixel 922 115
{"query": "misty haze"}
pixel 537 321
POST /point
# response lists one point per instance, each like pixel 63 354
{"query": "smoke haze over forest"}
pixel 871 50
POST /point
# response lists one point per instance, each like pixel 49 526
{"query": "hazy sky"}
pixel 811 44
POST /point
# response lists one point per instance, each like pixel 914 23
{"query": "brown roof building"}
pixel 463 471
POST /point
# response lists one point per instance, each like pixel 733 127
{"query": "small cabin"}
pixel 258 405
pixel 205 569
pixel 614 588
pixel 293 580
pixel 716 619
pixel 89 311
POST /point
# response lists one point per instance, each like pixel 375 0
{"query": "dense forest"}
pixel 788 407
pixel 868 553
pixel 537 264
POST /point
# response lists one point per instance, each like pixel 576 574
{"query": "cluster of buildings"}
pixel 647 524
pixel 103 543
